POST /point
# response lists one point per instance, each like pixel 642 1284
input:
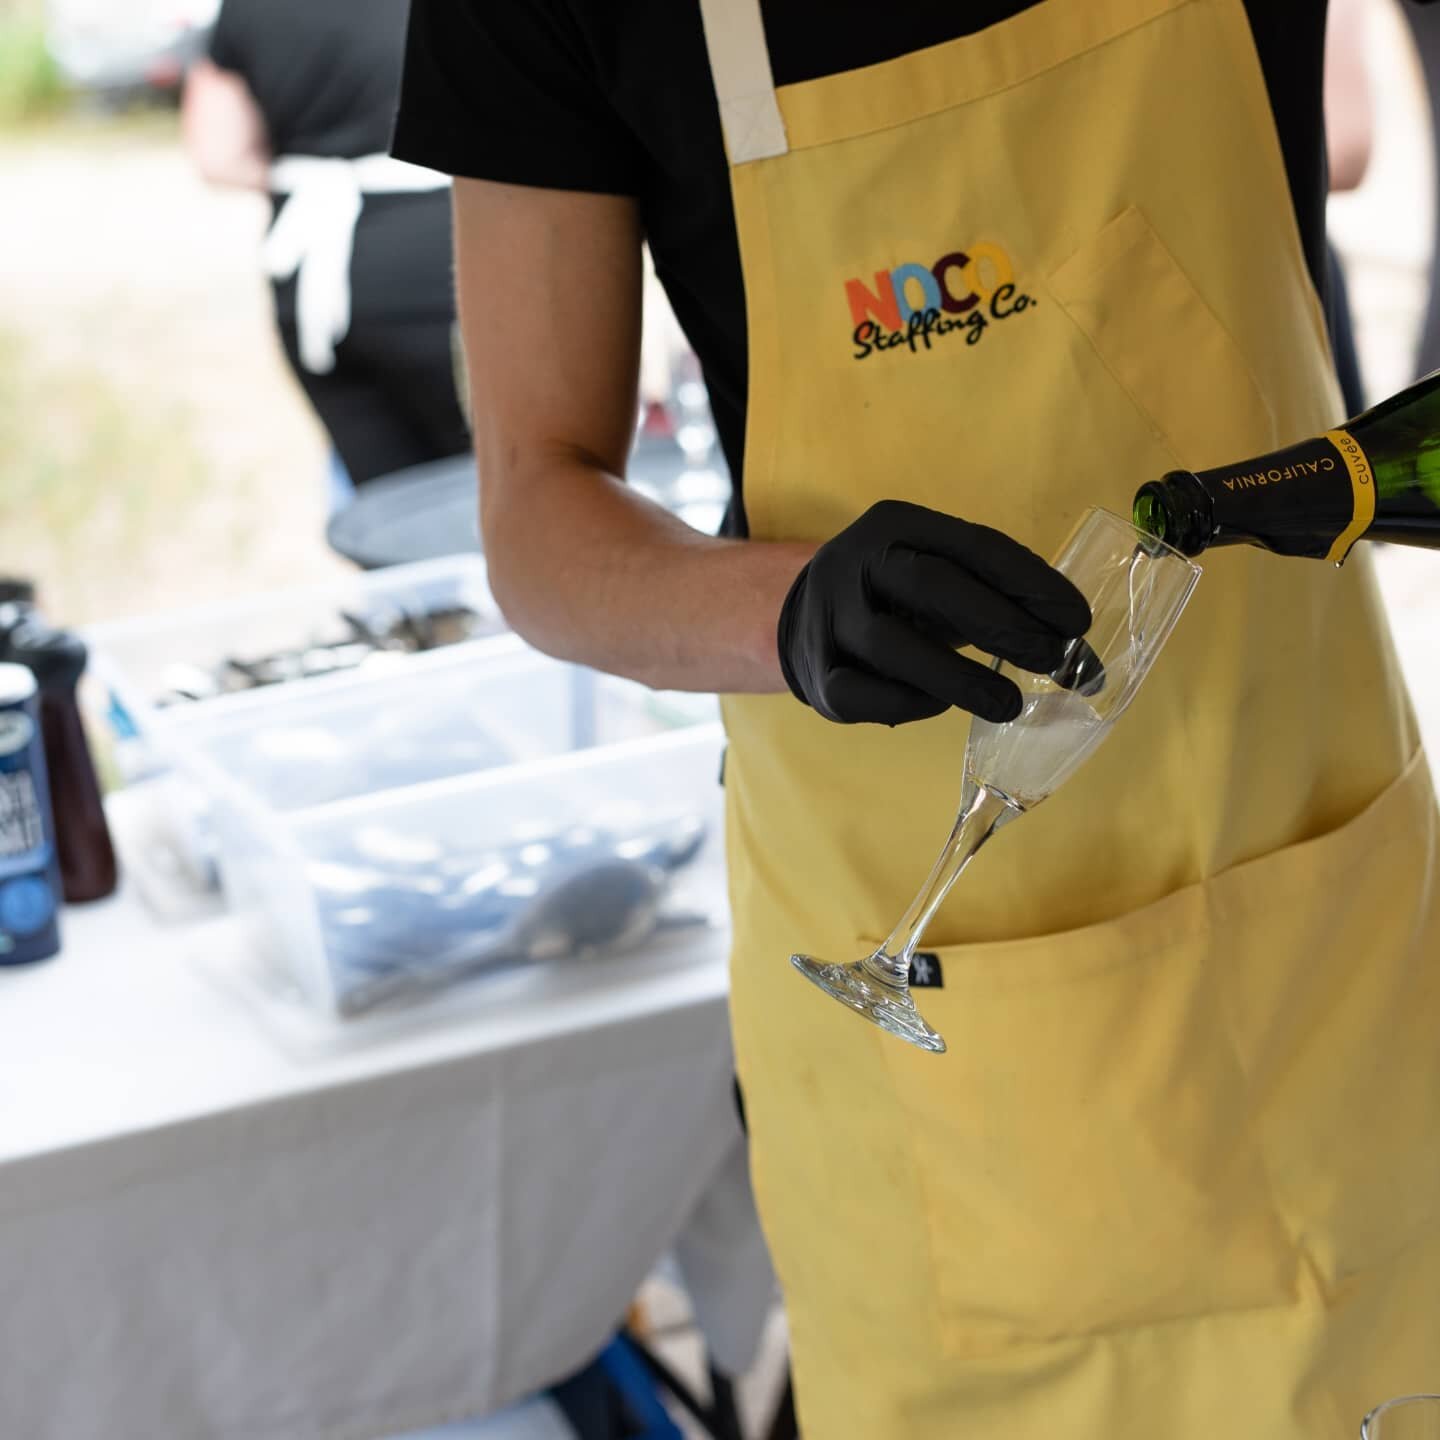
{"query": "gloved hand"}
pixel 869 629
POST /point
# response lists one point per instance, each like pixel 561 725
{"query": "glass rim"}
pixel 1131 528
pixel 1398 1403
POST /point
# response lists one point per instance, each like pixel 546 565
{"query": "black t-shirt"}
pixel 326 76
pixel 616 96
pixel 325 73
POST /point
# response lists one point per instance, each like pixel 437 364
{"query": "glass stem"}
pixel 975 824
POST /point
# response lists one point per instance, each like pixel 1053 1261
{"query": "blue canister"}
pixel 29 867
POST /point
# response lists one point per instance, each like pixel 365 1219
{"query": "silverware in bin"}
pixel 358 638
pixel 401 920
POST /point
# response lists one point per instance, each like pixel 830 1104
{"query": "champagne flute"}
pixel 1411 1417
pixel 1137 586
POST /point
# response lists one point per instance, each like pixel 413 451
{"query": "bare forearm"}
pixel 1349 110
pixel 594 573
pixel 223 129
pixel 584 568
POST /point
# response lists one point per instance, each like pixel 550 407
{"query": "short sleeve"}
pixel 503 90
pixel 225 45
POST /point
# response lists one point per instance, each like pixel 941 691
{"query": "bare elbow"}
pixel 507 587
pixel 1349 162
pixel 515 583
pixel 208 165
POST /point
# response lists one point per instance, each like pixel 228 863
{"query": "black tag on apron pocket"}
pixel 926 972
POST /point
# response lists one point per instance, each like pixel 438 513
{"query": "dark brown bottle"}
pixel 87 857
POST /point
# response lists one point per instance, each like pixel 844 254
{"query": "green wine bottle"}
pixel 1377 477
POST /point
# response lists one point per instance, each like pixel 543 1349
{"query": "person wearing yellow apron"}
pixel 1178 1174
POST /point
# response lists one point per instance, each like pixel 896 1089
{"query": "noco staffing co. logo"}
pixel 910 306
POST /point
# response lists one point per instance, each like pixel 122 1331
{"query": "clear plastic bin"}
pixel 139 664
pixel 468 709
pixel 462 713
pixel 376 899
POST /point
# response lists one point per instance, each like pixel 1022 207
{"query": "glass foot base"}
pixel 887 1006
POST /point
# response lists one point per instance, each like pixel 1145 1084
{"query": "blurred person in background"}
pixel 1349 140
pixel 297 100
pixel 1424 22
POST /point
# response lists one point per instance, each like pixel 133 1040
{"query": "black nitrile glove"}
pixel 869 629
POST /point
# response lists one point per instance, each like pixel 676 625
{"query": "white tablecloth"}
pixel 204 1235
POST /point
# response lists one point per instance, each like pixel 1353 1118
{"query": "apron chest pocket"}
pixel 1164 347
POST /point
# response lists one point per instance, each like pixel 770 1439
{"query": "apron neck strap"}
pixel 744 84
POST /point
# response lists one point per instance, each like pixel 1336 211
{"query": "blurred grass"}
pixel 87 466
pixel 155 452
pixel 31 87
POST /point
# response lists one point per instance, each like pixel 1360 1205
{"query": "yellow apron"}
pixel 1179 1174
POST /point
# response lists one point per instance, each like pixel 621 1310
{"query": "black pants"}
pixel 1342 337
pixel 390 401
pixel 1425 27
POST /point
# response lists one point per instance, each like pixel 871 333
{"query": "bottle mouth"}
pixel 1166 513
pixel 1150 517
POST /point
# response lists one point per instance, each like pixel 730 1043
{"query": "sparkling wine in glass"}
pixel 1137 586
